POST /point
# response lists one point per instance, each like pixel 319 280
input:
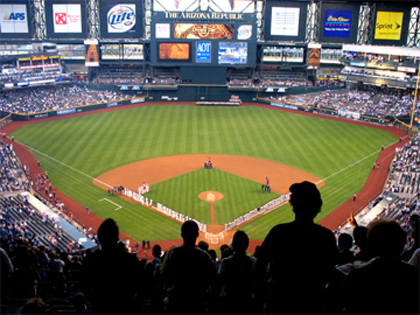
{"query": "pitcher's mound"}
pixel 210 196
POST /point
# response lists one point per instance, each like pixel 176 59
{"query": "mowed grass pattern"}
pixel 340 153
pixel 240 195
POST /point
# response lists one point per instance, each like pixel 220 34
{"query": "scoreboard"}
pixel 204 43
pixel 211 34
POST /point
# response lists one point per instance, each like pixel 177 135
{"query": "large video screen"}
pixel 110 51
pixel 133 51
pixel 234 53
pixel 66 18
pixel 122 52
pixel 285 21
pixel 174 51
pixel 14 20
pixel 340 23
pixel 391 25
pixel 121 19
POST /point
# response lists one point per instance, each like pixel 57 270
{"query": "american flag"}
pixel 232 4
pixel 177 3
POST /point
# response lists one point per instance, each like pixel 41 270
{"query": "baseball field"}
pixel 165 146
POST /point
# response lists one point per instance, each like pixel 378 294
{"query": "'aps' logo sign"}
pixel 14 16
pixel 121 18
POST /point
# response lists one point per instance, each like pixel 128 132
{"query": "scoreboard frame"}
pixel 199 36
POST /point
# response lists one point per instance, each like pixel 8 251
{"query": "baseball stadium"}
pixel 209 156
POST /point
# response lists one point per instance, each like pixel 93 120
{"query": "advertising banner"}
pixel 388 25
pixel 92 56
pixel 285 21
pixel 314 57
pixel 67 18
pixel 14 18
pixel 339 23
pixel 163 30
pixel 77 68
pixel 203 52
pixel 203 31
pixel 66 111
pixel 174 51
pixel 391 25
pixel 244 32
pixel 121 19
pixel 113 104
pixel 233 53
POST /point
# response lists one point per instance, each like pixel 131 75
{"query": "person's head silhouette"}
pixel 386 238
pixel 306 200
pixel 189 232
pixel 108 233
pixel 157 251
pixel 240 241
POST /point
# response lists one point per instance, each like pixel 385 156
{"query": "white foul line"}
pixel 72 168
pixel 357 162
pixel 119 207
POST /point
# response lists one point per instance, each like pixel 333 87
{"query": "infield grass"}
pixel 76 150
pixel 240 195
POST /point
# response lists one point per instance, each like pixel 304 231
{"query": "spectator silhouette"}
pixel 301 256
pixel 385 284
pixel 415 235
pixel 35 305
pixel 203 245
pixel 415 259
pixel 345 243
pixel 111 276
pixel 188 273
pixel 236 277
pixel 6 275
pixel 151 286
pixel 360 239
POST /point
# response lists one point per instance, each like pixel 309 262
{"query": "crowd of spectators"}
pixel 378 103
pixel 118 81
pixel 271 79
pixel 237 81
pixel 321 273
pixel 42 99
pixel 27 75
pixel 291 80
pixel 11 170
pixel 328 83
pixel 403 185
pixel 375 73
pixel 38 258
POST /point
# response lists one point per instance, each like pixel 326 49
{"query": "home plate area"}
pixel 214 238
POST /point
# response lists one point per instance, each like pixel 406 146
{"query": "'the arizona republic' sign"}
pixel 121 18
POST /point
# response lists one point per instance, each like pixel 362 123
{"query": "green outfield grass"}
pixel 240 195
pixel 76 150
